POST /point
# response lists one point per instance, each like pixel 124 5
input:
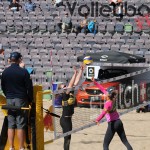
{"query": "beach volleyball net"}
pixel 133 93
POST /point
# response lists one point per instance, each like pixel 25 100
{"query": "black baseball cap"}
pixel 15 56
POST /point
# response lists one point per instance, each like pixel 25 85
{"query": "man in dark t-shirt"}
pixel 68 101
pixel 17 87
pixel 14 6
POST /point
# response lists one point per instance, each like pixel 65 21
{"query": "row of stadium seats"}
pixel 56 17
pixel 46 37
pixel 78 49
pixel 51 41
pixel 70 43
pixel 61 58
pixel 130 45
pixel 102 27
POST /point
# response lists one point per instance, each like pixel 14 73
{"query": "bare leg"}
pixel 21 137
pixel 11 135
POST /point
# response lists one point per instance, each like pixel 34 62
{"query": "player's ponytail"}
pixel 112 94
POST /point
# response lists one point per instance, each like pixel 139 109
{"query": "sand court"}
pixel 137 128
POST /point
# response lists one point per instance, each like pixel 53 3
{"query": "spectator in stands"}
pixel 17 87
pixel 66 23
pixel 1 49
pixel 9 1
pixel 114 3
pixel 58 3
pixel 14 6
pixel 83 27
pixel 58 27
pixel 119 10
pixel 29 6
pixel 84 24
pixel 92 27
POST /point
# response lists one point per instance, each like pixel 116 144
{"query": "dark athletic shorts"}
pixel 17 118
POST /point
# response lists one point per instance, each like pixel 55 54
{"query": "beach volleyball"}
pixel 87 60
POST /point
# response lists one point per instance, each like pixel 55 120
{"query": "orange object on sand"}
pixel 48 120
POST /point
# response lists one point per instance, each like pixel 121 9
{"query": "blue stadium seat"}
pixel 119 27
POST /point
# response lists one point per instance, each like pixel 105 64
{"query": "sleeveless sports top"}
pixel 68 102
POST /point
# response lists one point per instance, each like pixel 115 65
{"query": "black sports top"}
pixel 68 104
